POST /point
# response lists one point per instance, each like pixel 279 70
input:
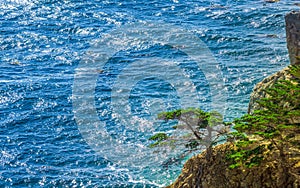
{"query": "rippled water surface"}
pixel 48 138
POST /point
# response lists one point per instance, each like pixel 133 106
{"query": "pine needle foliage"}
pixel 196 130
pixel 275 127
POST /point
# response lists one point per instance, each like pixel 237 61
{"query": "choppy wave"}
pixel 42 43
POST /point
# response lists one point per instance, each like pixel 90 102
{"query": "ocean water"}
pixel 81 83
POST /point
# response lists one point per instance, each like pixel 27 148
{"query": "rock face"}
pixel 214 172
pixel 292 21
pixel 293 44
pixel 199 172
pixel 259 89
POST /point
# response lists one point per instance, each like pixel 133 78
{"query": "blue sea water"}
pixel 49 138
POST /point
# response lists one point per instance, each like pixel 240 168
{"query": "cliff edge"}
pixel 213 171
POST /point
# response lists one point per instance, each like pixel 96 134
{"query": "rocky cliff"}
pixel 292 21
pixel 213 171
pixel 201 172
pixel 260 88
pixel 293 44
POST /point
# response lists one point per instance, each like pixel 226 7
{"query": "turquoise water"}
pixel 50 138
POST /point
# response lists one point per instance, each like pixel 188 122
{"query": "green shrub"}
pixel 274 127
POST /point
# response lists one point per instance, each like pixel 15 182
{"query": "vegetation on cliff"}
pixel 197 130
pixel 275 127
pixel 263 151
